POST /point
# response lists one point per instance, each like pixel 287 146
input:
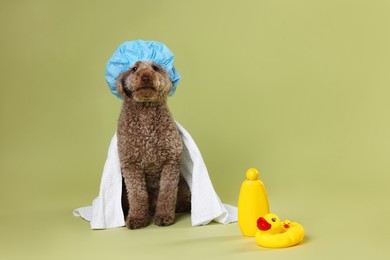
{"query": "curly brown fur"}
pixel 149 148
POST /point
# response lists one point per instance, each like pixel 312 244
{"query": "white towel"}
pixel 106 210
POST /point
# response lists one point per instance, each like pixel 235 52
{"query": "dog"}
pixel 150 148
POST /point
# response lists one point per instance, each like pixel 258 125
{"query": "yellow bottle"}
pixel 252 203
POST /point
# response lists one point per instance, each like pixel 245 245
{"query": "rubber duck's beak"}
pixel 263 225
pixel 286 223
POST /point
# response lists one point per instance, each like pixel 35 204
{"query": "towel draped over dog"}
pixel 106 210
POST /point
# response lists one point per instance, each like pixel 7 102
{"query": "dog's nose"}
pixel 146 79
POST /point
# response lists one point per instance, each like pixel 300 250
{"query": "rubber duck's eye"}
pixel 273 219
pixel 155 68
pixel 134 69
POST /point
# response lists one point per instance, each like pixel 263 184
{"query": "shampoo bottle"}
pixel 252 203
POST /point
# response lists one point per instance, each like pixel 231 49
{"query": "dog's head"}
pixel 145 81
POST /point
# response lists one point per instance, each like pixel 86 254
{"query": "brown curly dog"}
pixel 149 148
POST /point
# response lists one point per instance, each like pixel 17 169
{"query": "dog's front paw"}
pixel 136 222
pixel 164 220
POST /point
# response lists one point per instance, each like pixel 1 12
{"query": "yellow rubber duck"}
pixel 274 233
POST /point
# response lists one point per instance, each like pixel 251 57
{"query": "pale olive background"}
pixel 298 89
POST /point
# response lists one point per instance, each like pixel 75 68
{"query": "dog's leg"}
pixel 166 202
pixel 137 195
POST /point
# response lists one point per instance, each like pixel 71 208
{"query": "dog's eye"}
pixel 155 68
pixel 134 69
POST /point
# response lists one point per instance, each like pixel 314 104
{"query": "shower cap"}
pixel 130 52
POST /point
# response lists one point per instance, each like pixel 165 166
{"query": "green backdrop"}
pixel 298 89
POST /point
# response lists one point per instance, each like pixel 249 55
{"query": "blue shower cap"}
pixel 130 52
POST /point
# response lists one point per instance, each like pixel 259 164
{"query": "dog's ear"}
pixel 120 83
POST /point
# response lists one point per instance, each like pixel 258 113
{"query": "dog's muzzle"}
pixel 146 83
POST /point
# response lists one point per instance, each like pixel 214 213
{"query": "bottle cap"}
pixel 252 174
